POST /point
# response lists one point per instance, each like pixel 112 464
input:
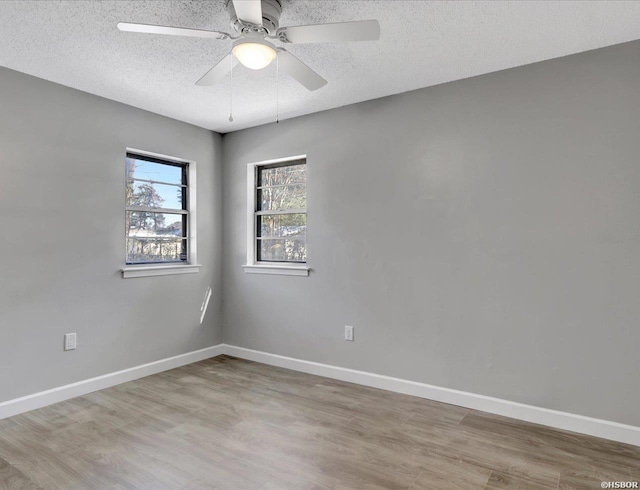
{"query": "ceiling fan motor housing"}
pixel 271 10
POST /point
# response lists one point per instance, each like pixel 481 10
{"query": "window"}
pixel 281 213
pixel 278 216
pixel 158 212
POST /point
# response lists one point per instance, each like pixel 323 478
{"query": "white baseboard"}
pixel 55 395
pixel 552 418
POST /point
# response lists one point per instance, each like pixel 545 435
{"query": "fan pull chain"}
pixel 231 91
pixel 277 89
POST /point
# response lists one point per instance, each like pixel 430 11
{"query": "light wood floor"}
pixel 232 424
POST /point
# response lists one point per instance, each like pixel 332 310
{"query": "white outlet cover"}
pixel 348 333
pixel 70 341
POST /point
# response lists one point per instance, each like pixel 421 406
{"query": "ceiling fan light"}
pixel 255 54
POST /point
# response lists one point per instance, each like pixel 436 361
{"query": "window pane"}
pixel 155 195
pixel 282 225
pixel 282 197
pixel 281 237
pixel 147 224
pixel 158 249
pixel 282 249
pixel 289 174
pixel 142 169
pixel 155 236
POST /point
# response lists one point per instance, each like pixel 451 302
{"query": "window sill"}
pixel 158 270
pixel 282 270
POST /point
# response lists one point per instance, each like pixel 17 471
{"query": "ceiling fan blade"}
pixel 363 30
pixel 249 11
pixel 295 68
pixel 171 31
pixel 218 72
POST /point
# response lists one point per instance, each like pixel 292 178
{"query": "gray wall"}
pixel 62 240
pixel 482 235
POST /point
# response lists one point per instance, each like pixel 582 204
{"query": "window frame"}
pixel 190 265
pixel 253 265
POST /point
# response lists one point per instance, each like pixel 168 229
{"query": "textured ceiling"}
pixel 423 43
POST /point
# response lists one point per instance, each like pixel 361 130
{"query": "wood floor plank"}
pixel 11 478
pixel 503 480
pixel 588 478
pixel 451 473
pixel 226 423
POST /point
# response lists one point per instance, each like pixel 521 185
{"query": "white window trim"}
pixel 192 266
pixel 253 266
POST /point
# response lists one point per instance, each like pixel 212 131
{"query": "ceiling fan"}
pixel 256 24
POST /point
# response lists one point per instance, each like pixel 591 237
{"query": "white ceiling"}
pixel 423 43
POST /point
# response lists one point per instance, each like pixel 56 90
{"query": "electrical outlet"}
pixel 70 341
pixel 348 333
